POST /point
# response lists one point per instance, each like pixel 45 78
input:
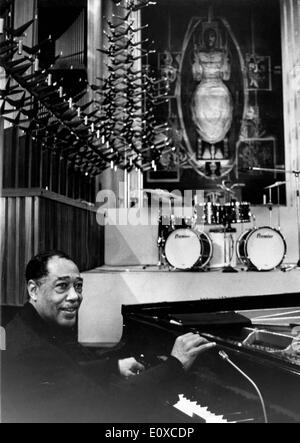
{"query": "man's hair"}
pixel 37 268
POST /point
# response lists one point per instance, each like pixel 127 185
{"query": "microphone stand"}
pixel 225 357
pixel 278 208
pixel 296 174
pixel 270 206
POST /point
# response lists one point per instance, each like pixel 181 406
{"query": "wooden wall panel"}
pixel 73 230
pixel 33 224
pixel 17 246
pixel 27 165
pixel 2 232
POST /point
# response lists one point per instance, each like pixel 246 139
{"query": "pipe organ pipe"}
pixel 72 44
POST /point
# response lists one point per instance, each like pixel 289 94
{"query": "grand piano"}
pixel 259 336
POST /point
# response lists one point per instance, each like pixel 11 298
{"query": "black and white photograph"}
pixel 150 214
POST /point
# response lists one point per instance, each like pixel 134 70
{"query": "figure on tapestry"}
pixel 212 104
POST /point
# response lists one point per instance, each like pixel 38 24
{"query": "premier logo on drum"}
pixel 264 236
pixel 182 236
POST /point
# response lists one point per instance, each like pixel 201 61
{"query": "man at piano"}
pixel 48 377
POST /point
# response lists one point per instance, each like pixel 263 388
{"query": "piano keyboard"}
pixel 192 409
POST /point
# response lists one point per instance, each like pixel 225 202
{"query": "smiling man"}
pixel 55 288
pixel 48 377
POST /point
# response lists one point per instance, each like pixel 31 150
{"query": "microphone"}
pixel 226 358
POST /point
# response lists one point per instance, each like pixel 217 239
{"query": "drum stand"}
pixel 228 268
pixel 270 204
pixel 270 207
pixel 160 241
pixel 296 174
pixel 160 252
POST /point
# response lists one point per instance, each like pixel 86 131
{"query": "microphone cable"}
pixel 225 357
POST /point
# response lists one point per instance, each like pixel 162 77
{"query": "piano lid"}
pixel 269 325
pixel 212 319
pixel 255 304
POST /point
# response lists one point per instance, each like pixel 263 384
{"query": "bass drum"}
pixel 186 249
pixel 262 249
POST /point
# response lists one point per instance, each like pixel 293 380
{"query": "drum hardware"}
pixel 166 223
pixel 271 205
pixel 253 216
pixel 288 268
pixel 228 268
pixel 229 190
pixel 160 241
pixel 233 213
pixel 226 215
pixel 160 244
pixel 214 197
pixel 278 184
pixel 296 174
pixel 224 248
pixel 278 203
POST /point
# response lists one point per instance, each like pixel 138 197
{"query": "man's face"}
pixel 59 295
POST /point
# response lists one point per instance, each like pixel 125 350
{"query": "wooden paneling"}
pixel 17 245
pixel 27 165
pixel 37 223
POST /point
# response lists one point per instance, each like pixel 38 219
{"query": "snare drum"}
pixel 263 249
pixel 186 249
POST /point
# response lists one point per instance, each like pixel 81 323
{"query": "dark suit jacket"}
pixel 48 377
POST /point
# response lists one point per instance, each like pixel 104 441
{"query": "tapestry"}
pixel 225 111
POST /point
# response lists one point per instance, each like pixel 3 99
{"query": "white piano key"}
pixel 184 406
pixel 192 408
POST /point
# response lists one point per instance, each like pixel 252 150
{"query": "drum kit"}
pixel 210 239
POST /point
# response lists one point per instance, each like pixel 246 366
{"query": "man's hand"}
pixel 188 347
pixel 130 367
